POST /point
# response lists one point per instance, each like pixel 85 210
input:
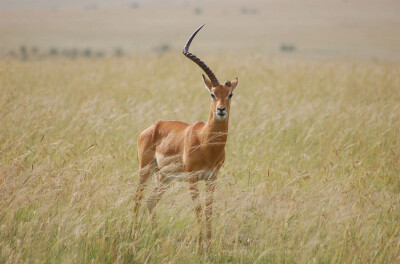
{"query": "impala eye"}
pixel 213 96
pixel 230 95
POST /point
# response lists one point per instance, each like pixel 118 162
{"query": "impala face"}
pixel 221 96
pixel 221 101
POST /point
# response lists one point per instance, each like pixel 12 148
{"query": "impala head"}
pixel 221 94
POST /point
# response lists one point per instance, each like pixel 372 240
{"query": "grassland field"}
pixel 311 175
pixel 312 171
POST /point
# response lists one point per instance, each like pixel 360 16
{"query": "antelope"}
pixel 192 152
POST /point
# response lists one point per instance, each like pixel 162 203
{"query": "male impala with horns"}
pixel 193 152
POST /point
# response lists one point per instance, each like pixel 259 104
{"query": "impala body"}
pixel 193 152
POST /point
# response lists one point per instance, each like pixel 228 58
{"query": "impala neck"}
pixel 215 131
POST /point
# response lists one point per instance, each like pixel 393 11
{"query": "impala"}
pixel 193 152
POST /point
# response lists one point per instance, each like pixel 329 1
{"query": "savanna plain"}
pixel 312 169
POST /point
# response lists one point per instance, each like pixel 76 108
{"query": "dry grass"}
pixel 312 171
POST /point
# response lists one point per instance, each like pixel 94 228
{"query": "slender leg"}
pixel 210 187
pixel 194 192
pixel 154 198
pixel 144 174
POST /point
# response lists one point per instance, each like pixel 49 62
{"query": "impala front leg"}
pixel 210 187
pixel 194 192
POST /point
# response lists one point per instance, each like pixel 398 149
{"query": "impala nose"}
pixel 221 110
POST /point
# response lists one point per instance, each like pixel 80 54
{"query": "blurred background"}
pixel 350 28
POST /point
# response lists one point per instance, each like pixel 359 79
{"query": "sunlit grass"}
pixel 312 169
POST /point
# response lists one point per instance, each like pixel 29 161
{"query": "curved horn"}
pixel 199 62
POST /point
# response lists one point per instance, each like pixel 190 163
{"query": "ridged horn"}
pixel 199 62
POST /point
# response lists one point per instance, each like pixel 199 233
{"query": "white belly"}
pixel 169 164
pixel 204 175
pixel 171 168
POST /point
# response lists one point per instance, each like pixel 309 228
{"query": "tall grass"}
pixel 312 169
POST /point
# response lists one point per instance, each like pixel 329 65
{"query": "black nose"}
pixel 221 109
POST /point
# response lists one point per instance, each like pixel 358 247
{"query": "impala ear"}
pixel 207 83
pixel 234 83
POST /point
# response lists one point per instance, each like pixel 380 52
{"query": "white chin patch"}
pixel 220 117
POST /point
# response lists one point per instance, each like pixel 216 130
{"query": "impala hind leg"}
pixel 154 198
pixel 144 173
